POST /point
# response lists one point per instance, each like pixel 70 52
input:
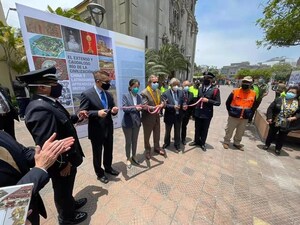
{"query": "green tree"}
pixel 69 13
pixel 165 62
pixel 282 71
pixel 280 24
pixel 14 51
pixel 242 73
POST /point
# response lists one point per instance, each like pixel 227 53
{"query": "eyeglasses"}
pixel 155 82
pixel 102 81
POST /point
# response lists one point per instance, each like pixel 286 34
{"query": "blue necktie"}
pixel 103 99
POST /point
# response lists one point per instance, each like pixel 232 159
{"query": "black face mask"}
pixel 105 86
pixel 206 82
pixel 56 91
pixel 245 86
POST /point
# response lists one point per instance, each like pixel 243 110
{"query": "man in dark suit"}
pixel 101 107
pixel 187 100
pixel 44 116
pixel 210 96
pixel 173 113
pixel 8 113
pixel 16 161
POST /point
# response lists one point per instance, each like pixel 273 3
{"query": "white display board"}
pixel 77 49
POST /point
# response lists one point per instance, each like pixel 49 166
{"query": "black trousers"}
pixel 201 130
pixel 7 124
pixel 63 194
pixel 105 143
pixel 185 122
pixel 177 127
pixel 272 135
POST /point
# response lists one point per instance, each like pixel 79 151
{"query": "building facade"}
pixel 156 22
pixel 231 71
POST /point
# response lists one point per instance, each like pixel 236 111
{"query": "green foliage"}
pixel 282 71
pixel 265 73
pixel 165 61
pixel 281 23
pixel 14 50
pixel 69 13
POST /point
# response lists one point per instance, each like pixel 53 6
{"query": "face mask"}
pixel 135 90
pixel 245 86
pixel 105 86
pixel 56 91
pixel 261 81
pixel 206 82
pixel 186 88
pixel 154 86
pixel 175 88
pixel 290 95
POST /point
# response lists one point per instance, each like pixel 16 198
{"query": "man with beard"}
pixel 210 97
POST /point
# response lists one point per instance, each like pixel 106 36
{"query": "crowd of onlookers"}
pixel 177 102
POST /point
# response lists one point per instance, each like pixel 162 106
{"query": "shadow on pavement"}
pixel 92 193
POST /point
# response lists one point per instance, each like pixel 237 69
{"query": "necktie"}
pixel 3 104
pixel 103 99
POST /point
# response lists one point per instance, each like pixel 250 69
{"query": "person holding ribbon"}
pixel 151 97
pixel 131 120
pixel 209 96
pixel 173 113
pixel 281 116
pixel 101 107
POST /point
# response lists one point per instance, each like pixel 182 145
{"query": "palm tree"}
pixel 165 62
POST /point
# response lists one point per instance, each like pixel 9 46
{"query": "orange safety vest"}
pixel 242 102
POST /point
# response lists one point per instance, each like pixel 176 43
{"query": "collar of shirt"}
pixel 46 96
pixel 205 88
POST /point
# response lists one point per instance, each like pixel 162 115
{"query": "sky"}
pixel 228 33
pixel 227 30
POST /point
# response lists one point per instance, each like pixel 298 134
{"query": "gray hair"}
pixel 150 77
pixel 174 80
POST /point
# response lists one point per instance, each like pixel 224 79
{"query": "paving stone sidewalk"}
pixel 192 187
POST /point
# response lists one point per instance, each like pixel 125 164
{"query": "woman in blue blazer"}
pixel 131 120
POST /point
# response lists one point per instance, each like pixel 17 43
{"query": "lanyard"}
pixel 157 99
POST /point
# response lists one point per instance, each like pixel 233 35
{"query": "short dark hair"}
pixel 132 82
pixel 296 88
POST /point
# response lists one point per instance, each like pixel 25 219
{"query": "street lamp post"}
pixel 10 9
pixel 96 10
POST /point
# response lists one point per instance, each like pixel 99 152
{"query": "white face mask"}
pixel 175 88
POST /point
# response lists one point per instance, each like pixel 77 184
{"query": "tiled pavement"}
pixel 194 187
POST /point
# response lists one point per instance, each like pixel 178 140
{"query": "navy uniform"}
pixel 204 111
pixel 44 116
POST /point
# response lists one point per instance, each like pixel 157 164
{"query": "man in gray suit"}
pixel 151 122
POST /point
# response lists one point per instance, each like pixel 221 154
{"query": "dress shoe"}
pixel 266 147
pixel 166 145
pixel 193 143
pixel 203 147
pixel 136 161
pixel 112 172
pixel 183 142
pixel 103 179
pixel 80 202
pixel 147 155
pixel 277 151
pixel 78 218
pixel 177 148
pixel 226 146
pixel 240 147
pixel 160 151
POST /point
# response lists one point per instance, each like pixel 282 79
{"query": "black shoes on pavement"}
pixel 78 218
